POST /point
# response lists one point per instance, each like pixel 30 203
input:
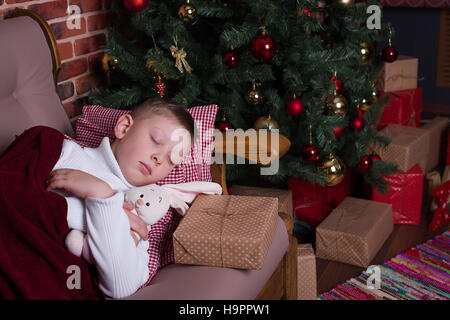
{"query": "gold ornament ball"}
pixel 337 105
pixel 345 2
pixel 266 122
pixel 109 62
pixel 254 96
pixel 365 105
pixel 333 168
pixel 366 50
pixel 187 12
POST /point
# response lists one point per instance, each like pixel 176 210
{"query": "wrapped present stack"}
pixel 226 231
pixel 416 150
pixel 399 79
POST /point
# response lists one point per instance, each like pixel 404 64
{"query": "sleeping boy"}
pixel 149 143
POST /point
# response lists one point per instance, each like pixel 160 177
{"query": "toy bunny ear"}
pixel 182 194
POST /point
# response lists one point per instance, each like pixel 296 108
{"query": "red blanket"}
pixel 34 263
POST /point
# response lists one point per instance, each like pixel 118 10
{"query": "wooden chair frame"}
pixel 283 282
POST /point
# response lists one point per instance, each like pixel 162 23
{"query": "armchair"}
pixel 28 97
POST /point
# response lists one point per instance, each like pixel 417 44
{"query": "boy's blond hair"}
pixel 167 108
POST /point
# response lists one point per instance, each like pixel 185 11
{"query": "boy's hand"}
pixel 136 223
pixel 83 185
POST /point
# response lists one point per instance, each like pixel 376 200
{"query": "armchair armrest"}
pixel 260 147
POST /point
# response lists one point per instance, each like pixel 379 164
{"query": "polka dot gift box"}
pixel 226 231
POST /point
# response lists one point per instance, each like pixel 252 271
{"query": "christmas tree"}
pixel 309 67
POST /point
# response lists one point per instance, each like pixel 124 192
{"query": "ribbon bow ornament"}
pixel 180 58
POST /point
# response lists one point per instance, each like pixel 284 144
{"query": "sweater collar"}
pixel 110 160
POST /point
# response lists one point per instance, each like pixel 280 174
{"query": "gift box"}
pixel 405 108
pixel 312 202
pixel 405 195
pixel 306 273
pixel 354 232
pixel 399 75
pixel 226 231
pixel 409 146
pixel 437 128
pixel 284 196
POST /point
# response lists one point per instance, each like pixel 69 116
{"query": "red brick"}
pixel 74 108
pixel 95 62
pixel 100 21
pixel 85 83
pixel 50 10
pixel 61 30
pixel 90 44
pixel 87 5
pixel 65 90
pixel 65 50
pixel 72 68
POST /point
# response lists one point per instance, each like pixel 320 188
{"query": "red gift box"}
pixel 405 195
pixel 312 202
pixel 405 109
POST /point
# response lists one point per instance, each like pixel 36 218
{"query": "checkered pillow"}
pixel 97 122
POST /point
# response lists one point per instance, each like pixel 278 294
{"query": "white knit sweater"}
pixel 122 266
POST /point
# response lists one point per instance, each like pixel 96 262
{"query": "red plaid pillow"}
pixel 97 122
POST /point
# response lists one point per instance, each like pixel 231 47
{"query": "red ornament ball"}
pixel 375 157
pixel 264 47
pixel 231 59
pixel 338 131
pixel 224 125
pixel 294 107
pixel 389 54
pixel 136 5
pixel 307 12
pixel 357 124
pixel 338 85
pixel 365 164
pixel 310 152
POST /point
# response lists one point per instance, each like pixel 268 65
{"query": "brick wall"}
pixel 80 49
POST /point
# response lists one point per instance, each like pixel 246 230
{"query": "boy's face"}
pixel 148 149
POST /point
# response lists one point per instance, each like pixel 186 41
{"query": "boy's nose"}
pixel 155 159
pixel 140 202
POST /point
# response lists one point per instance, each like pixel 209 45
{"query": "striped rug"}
pixel 419 273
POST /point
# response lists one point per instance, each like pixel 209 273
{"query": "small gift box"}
pixel 409 146
pixel 226 231
pixel 405 195
pixel 399 75
pixel 354 232
pixel 312 202
pixel 306 273
pixel 405 108
pixel 437 128
pixel 284 196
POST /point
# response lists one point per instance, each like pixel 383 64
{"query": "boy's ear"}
pixel 123 124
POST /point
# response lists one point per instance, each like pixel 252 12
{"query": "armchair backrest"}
pixel 27 78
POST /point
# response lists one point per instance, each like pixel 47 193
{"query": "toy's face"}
pixel 151 202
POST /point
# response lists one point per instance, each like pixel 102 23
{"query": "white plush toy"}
pixel 151 203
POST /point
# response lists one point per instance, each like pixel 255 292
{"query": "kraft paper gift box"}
pixel 409 146
pixel 226 231
pixel 404 108
pixel 284 196
pixel 354 232
pixel 405 195
pixel 399 75
pixel 306 273
pixel 437 128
